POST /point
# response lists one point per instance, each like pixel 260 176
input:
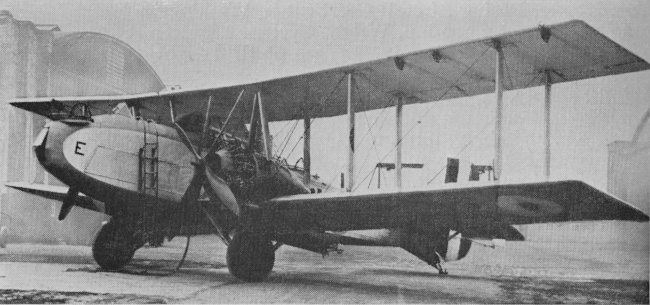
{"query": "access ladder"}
pixel 148 180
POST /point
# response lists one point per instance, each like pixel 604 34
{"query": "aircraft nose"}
pixel 40 139
pixel 40 142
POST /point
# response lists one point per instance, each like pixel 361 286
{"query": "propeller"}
pixel 204 176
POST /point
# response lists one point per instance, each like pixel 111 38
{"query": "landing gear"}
pixel 250 257
pixel 438 266
pixel 114 245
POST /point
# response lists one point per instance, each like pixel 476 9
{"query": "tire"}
pixel 250 257
pixel 113 247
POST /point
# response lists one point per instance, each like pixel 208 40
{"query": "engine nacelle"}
pixel 457 247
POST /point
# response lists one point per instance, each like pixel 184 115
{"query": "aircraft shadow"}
pixel 144 267
pixel 433 274
pixel 316 281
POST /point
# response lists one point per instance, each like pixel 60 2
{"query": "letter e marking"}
pixel 77 148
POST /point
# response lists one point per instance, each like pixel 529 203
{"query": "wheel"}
pixel 250 257
pixel 113 247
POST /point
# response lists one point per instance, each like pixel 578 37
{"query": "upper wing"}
pixel 472 210
pixel 574 51
pixel 57 193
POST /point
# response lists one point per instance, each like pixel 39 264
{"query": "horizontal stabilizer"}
pixel 57 193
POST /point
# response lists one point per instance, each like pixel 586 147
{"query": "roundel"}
pixel 528 206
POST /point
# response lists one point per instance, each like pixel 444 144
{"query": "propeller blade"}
pixel 68 203
pixel 191 194
pixel 206 124
pixel 194 189
pixel 186 140
pixel 221 190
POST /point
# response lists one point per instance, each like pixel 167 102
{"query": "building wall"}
pixel 628 172
pixel 37 60
pixel 23 72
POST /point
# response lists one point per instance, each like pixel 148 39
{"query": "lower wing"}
pixel 57 193
pixel 474 211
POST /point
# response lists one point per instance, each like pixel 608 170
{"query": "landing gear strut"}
pixel 250 257
pixel 438 266
pixel 114 245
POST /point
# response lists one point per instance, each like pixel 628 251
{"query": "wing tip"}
pixel 17 185
pixel 633 213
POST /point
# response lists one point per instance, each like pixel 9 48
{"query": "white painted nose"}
pixel 40 139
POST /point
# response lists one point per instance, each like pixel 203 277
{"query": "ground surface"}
pixel 522 272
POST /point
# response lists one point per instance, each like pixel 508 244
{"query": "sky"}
pixel 197 44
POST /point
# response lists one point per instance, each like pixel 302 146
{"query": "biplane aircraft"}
pixel 163 163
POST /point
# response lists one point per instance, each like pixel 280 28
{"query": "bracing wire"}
pixel 369 130
pixel 295 118
pixel 367 157
pixel 477 135
pixel 320 103
pixel 431 107
pixel 372 136
pixel 321 108
pixel 465 147
pixel 363 137
pixel 285 142
pixel 286 137
pixel 373 176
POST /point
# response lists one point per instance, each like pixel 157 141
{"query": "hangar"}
pixel 41 60
pixel 628 163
